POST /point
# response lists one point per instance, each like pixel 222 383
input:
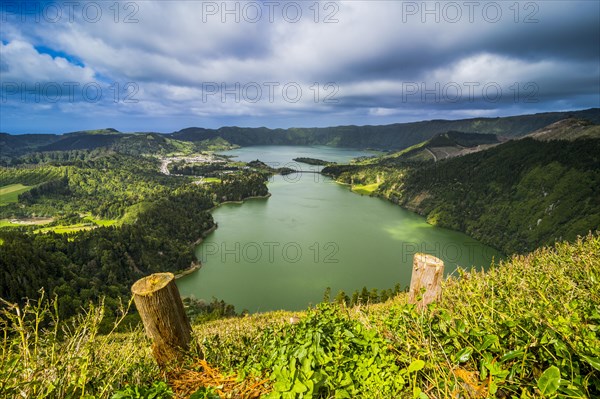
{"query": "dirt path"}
pixel 164 166
pixel 432 154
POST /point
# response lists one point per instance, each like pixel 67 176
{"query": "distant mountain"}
pixel 13 145
pixel 126 143
pixel 151 143
pixel 106 131
pixel 10 145
pixel 567 129
pixel 441 146
pixel 80 141
pixel 389 137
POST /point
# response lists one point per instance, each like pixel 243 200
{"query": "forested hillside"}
pixel 440 146
pixel 567 129
pixel 109 220
pixel 14 148
pixel 515 196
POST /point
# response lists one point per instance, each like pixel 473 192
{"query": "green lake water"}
pixel 312 233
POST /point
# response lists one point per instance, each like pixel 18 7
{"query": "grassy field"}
pixel 24 222
pixel 365 189
pixel 7 223
pixel 101 222
pixel 90 223
pixel 211 180
pixel 11 193
pixel 65 229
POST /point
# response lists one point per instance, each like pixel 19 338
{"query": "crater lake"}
pixel 282 252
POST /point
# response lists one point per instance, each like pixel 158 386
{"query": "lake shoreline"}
pixel 193 267
pixel 407 208
pixel 240 202
pixel 204 234
pixel 197 265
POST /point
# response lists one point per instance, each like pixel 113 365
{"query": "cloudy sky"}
pixel 166 65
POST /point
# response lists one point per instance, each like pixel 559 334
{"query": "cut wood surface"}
pixel 158 301
pixel 426 280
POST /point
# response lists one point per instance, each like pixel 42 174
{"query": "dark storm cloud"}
pixel 572 36
pixel 382 57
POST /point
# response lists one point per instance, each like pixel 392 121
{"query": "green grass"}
pixel 211 180
pixel 11 193
pixel 101 222
pixel 527 328
pixel 7 223
pixel 65 229
pixel 133 212
pixel 27 222
pixel 365 189
pixel 42 356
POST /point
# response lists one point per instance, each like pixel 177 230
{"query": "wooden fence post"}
pixel 428 274
pixel 158 301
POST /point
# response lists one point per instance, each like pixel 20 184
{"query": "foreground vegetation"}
pixel 527 328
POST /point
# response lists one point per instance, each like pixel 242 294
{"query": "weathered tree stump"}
pixel 158 301
pixel 427 274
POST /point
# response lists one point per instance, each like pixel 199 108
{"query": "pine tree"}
pixel 342 298
pixel 355 298
pixel 364 296
pixel 327 295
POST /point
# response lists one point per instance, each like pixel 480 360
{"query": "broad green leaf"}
pixel 549 381
pixel 488 341
pixel 301 354
pixel 306 365
pixel 299 387
pixel 310 385
pixel 493 387
pixel 512 355
pixel 572 392
pixel 593 361
pixel 463 355
pixel 419 394
pixel 416 366
pixel 342 394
